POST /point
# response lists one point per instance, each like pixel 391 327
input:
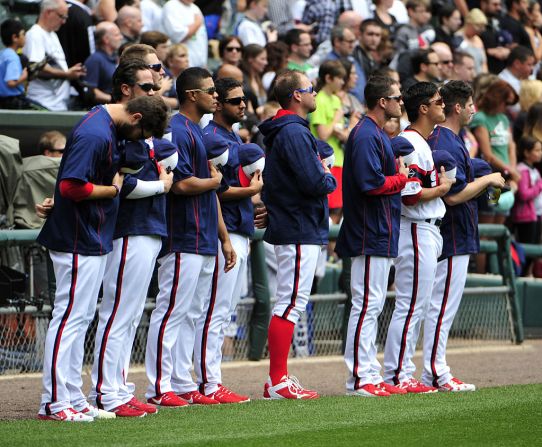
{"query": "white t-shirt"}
pixel 176 18
pixel 151 14
pixel 53 94
pixel 250 31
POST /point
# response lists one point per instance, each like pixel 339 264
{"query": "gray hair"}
pixel 337 33
pixel 47 5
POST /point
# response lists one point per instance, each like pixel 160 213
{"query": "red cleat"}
pixel 196 398
pixel 169 399
pixel 225 396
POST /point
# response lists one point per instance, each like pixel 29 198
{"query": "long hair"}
pixel 496 94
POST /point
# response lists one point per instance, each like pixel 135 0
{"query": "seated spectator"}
pixel 511 22
pixel 497 42
pixel 182 21
pixel 277 60
pixel 475 24
pixel 369 41
pixel 230 50
pixel 519 66
pixel 177 60
pixel 250 29
pixel 417 33
pixel 530 94
pixel 130 24
pixel 151 15
pixel 446 60
pixel 102 63
pixel 253 67
pixel 449 19
pixel 464 67
pixel 12 74
pixel 38 180
pixel 300 48
pixel 383 17
pixel 52 88
pixel 426 68
pixel 321 15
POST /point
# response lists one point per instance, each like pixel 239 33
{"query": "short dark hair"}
pixel 377 87
pixel 224 85
pixel 225 42
pixel 154 113
pixel 384 71
pixel 8 28
pixel 293 37
pixel 519 53
pixel 455 92
pixel 459 56
pixel 446 11
pixel 368 22
pixel 333 68
pixel 285 84
pixel 413 4
pixel 417 95
pixel 337 32
pixel 420 57
pixel 190 79
pixel 526 144
pixel 125 73
pixel 153 38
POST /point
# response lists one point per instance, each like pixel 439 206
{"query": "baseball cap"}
pixel 251 159
pixel 166 154
pixel 445 159
pixel 402 148
pixel 218 152
pixel 480 167
pixel 133 156
pixel 326 153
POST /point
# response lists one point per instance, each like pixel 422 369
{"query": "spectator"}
pixel 52 89
pixel 212 12
pixel 76 34
pixel 425 65
pixel 300 48
pixel 446 60
pixel 277 60
pixel 351 106
pixel 383 17
pixel 449 19
pixel 327 124
pixel 480 85
pixel 182 22
pixel 102 63
pixel 177 60
pixel 250 29
pixel 280 14
pixel 464 68
pixel 417 33
pixel 159 41
pixel 530 94
pixel 511 22
pixel 475 24
pixel 343 42
pixel 370 39
pixel 519 66
pixel 253 67
pixel 321 14
pixel 12 74
pixel 533 22
pixel 151 15
pixel 230 50
pixel 533 122
pixel 231 71
pixel 497 42
pixel 130 24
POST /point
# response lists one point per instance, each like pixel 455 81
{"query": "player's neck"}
pixel 452 124
pixel 423 127
pixel 192 114
pixel 219 119
pixel 379 118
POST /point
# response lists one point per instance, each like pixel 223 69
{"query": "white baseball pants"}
pixel 126 282
pixel 445 300
pixel 369 283
pixel 218 309
pixel 185 285
pixel 420 245
pixel 78 281
pixel 296 265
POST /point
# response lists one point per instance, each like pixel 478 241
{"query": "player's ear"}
pixel 135 118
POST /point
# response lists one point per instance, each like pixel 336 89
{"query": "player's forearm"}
pixel 237 192
pixel 433 193
pixel 193 186
pixel 223 235
pixel 472 190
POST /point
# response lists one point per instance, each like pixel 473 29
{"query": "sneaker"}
pixel 369 390
pixel 288 388
pixel 96 413
pixel 225 396
pixel 149 409
pixel 126 411
pixel 413 386
pixel 67 415
pixel 391 388
pixel 196 398
pixel 456 386
pixel 169 399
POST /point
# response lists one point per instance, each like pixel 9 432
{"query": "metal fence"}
pixel 483 316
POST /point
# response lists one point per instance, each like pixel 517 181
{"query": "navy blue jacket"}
pixel 371 222
pixel 91 155
pixel 295 184
pixel 459 227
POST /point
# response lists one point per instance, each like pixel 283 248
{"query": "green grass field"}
pixel 504 416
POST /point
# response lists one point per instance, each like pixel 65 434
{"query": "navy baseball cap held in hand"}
pixel 251 159
pixel 444 159
pixel 326 153
pixel 218 153
pixel 480 167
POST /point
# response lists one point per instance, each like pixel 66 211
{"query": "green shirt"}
pixel 303 68
pixel 326 107
pixel 498 128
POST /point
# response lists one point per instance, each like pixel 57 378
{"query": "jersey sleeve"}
pixel 81 161
pixel 366 161
pixel 184 168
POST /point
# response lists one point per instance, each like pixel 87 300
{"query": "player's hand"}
pixel 260 216
pixel 216 175
pixel 167 179
pixel 118 180
pixel 445 183
pixel 326 168
pixel 229 255
pixel 403 168
pixel 44 209
pixel 496 180
pixel 256 183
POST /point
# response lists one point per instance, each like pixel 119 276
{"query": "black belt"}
pixel 437 222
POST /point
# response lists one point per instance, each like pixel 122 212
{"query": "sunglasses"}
pixel 147 87
pixel 450 62
pixel 397 98
pixel 302 90
pixel 438 102
pixel 236 101
pixel 62 16
pixel 155 67
pixel 231 49
pixel 209 91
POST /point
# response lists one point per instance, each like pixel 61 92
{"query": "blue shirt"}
pixel 359 89
pixel 192 221
pixel 100 68
pixel 145 216
pixel 459 227
pixel 371 222
pixel 91 155
pixel 10 70
pixel 238 214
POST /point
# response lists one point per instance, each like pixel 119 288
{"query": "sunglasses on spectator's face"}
pixel 155 67
pixel 147 87
pixel 236 101
pixel 231 49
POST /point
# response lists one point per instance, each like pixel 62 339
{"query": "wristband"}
pixel 117 190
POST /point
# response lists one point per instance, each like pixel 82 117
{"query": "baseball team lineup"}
pixel 138 188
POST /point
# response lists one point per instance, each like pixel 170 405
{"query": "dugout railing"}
pixel 489 310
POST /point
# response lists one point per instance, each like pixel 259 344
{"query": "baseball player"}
pixel 372 183
pixel 420 242
pixel 137 240
pixel 238 213
pixel 189 252
pixel 79 234
pixel 459 231
pixel 295 194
